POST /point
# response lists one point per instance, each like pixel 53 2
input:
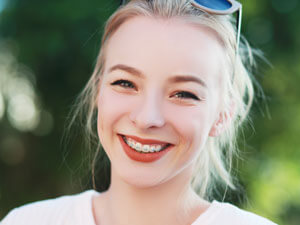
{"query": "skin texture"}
pixel 151 105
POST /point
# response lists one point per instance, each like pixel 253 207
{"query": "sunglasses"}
pixel 219 7
pixel 222 7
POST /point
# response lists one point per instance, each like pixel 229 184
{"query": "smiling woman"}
pixel 165 101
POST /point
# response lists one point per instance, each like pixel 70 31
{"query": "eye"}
pixel 185 95
pixel 123 83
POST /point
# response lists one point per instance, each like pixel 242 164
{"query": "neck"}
pixel 173 202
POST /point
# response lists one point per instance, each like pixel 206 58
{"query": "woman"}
pixel 168 91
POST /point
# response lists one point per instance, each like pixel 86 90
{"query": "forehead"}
pixel 165 46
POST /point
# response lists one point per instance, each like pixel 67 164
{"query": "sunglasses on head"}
pixel 219 7
pixel 222 7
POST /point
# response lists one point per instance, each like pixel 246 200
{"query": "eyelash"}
pixel 186 95
pixel 127 84
pixel 124 83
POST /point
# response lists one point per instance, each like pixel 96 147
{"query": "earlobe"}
pixel 223 121
pixel 216 129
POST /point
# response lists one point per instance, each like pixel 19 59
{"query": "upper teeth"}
pixel 144 148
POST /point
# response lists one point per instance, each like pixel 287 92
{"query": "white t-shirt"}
pixel 77 210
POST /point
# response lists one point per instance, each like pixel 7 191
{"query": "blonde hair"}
pixel 215 160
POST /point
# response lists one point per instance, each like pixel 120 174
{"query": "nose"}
pixel 148 114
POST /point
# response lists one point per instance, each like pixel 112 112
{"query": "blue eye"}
pixel 124 83
pixel 185 94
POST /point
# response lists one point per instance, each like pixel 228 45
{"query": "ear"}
pixel 223 121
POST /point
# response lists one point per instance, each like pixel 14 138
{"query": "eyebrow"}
pixel 127 69
pixel 175 79
pixel 187 78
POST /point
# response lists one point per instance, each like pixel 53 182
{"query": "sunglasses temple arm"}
pixel 238 30
pixel 239 24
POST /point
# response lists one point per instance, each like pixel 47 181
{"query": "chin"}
pixel 141 179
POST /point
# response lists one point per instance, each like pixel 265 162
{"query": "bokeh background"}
pixel 47 53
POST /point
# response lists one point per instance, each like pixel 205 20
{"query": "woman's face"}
pixel 158 98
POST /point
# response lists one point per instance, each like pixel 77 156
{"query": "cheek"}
pixel 192 124
pixel 190 119
pixel 111 107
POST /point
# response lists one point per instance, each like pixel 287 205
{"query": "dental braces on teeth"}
pixel 144 148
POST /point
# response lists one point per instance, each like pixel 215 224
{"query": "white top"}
pixel 77 210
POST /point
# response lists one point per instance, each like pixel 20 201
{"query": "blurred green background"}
pixel 47 53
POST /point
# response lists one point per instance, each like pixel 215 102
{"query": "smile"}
pixel 144 148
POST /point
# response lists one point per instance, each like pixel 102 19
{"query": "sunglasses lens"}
pixel 215 4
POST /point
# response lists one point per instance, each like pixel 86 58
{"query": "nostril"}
pixel 147 120
pixel 148 113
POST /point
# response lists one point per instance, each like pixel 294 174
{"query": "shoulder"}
pixel 62 210
pixel 237 216
pixel 228 214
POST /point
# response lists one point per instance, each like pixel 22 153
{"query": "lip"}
pixel 146 141
pixel 143 157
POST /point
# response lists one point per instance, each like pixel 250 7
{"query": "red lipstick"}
pixel 143 157
pixel 146 141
